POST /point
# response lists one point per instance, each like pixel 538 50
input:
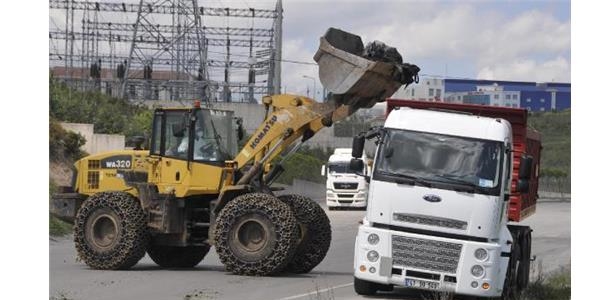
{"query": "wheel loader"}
pixel 193 190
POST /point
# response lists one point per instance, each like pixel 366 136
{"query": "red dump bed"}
pixel 525 141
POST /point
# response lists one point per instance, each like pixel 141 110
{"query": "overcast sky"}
pixel 504 40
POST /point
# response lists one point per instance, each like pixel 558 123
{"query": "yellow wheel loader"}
pixel 192 189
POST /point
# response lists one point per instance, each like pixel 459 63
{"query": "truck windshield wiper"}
pixel 471 186
pixel 404 179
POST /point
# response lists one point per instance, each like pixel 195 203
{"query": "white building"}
pixel 428 89
pixel 493 95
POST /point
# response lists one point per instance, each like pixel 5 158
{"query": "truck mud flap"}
pixel 65 206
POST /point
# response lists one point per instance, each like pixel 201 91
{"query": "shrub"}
pixel 64 145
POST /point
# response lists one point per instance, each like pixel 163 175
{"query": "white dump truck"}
pixel 446 185
pixel 344 187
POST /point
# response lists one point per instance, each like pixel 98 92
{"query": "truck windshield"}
pixel 452 160
pixel 339 167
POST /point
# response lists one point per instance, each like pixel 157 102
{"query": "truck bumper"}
pixel 65 206
pixel 426 274
pixel 348 199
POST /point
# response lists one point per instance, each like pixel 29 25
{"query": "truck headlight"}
pixel 372 256
pixel 373 239
pixel 481 254
pixel 477 271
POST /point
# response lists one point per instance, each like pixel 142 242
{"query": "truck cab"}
pixel 437 217
pixel 345 188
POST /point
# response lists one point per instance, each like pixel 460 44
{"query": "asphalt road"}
pixel 332 279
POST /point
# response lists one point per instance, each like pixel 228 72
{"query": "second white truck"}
pixel 344 187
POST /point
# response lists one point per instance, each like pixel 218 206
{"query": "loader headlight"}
pixel 477 271
pixel 481 254
pixel 372 256
pixel 373 239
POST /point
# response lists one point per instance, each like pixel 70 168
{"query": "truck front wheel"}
pixel 315 233
pixel 256 234
pixel 525 260
pixel 110 231
pixel 365 288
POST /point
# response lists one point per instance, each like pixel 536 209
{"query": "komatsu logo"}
pixel 263 132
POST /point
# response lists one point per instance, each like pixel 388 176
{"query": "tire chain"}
pixel 177 257
pixel 134 236
pixel 315 244
pixel 286 233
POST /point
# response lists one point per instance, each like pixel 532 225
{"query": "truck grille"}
pixel 345 185
pixel 432 221
pixel 425 254
pixel 345 195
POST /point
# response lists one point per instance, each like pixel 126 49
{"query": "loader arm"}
pixel 288 119
pixel 356 80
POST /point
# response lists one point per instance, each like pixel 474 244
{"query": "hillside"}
pixel 555 128
pixel 109 115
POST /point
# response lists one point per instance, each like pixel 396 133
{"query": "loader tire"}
pixel 177 257
pixel 255 234
pixel 110 231
pixel 315 233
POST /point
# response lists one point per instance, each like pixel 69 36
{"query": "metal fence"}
pixel 555 184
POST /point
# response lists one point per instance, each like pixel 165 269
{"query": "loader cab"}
pixel 197 135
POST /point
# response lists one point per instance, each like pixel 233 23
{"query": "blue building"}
pixel 531 95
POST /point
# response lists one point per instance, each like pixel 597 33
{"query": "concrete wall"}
pixel 94 142
pixel 107 142
pixel 313 190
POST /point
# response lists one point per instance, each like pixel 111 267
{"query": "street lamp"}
pixel 314 85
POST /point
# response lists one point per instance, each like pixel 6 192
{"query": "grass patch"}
pixel 553 286
pixel 58 227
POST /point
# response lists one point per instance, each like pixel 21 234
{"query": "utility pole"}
pixel 314 85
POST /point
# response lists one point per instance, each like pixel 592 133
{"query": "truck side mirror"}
pixel 358 146
pixel 525 167
pixel 323 170
pixel 357 165
pixel 523 186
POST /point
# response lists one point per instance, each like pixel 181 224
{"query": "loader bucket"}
pixel 354 80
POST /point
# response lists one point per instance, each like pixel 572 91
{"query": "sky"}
pixel 497 40
pixel 501 40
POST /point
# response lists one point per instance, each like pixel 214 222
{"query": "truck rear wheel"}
pixel 177 257
pixel 256 234
pixel 315 233
pixel 110 231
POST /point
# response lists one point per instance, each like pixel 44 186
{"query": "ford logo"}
pixel 432 198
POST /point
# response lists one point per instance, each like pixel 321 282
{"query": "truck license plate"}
pixel 413 283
